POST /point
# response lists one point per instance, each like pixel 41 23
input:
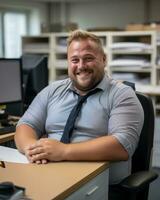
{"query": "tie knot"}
pixel 83 98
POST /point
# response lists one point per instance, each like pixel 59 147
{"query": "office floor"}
pixel 154 193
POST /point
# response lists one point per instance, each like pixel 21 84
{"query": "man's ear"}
pixel 105 59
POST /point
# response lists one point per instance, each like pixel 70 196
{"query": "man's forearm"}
pixel 24 137
pixel 103 148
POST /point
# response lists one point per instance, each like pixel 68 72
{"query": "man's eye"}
pixel 89 59
pixel 74 60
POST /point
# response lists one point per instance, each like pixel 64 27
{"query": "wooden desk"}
pixel 59 180
pixel 6 137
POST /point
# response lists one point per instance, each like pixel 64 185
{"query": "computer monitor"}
pixel 10 81
pixel 10 87
pixel 35 75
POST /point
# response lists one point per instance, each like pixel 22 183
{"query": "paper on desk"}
pixel 12 155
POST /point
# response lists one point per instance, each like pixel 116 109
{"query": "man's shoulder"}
pixel 114 84
pixel 60 83
pixel 59 86
pixel 118 88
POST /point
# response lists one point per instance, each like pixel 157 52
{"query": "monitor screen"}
pixel 10 81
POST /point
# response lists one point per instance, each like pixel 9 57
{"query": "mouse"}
pixel 7 188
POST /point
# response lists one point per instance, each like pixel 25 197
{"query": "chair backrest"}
pixel 141 158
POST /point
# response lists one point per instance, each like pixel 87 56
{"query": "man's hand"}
pixel 45 150
pixel 27 154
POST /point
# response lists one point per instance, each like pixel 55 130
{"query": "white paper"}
pixel 130 62
pixel 12 155
pixel 128 45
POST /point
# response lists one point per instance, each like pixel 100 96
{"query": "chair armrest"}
pixel 138 181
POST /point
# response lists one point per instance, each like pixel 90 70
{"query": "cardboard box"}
pixel 135 27
pixel 143 27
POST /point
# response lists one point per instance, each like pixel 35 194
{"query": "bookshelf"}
pixel 132 55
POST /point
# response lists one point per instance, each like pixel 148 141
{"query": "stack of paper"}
pixel 131 46
pixel 12 155
pixel 131 61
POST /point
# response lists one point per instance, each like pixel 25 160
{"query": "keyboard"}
pixel 7 129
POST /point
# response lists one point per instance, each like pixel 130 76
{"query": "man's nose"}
pixel 81 64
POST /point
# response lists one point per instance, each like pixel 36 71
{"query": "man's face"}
pixel 86 64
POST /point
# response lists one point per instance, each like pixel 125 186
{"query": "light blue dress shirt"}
pixel 115 110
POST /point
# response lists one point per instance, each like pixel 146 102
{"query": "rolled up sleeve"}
pixel 35 116
pixel 126 119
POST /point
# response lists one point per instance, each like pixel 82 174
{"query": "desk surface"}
pixel 53 180
pixel 6 137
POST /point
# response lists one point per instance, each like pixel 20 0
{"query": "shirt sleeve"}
pixel 35 115
pixel 126 118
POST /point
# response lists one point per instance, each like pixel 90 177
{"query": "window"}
pixel 1 45
pixel 13 25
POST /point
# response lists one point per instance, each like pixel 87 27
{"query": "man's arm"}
pixel 24 137
pixel 103 148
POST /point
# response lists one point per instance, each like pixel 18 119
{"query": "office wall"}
pixel 108 13
pixel 102 13
pixel 155 10
pixel 38 12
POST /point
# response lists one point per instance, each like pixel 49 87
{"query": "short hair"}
pixel 84 35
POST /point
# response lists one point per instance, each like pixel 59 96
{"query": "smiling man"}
pixel 107 126
pixel 86 60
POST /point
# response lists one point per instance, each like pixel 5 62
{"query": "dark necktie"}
pixel 68 129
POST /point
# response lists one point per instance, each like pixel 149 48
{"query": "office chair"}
pixel 136 185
